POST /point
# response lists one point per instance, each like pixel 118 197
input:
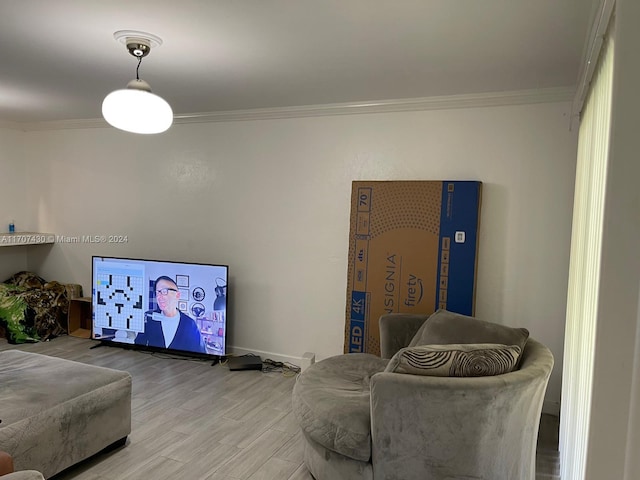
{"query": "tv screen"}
pixel 160 305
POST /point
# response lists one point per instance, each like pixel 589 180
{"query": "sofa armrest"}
pixel 397 330
pixel 452 427
pixel 6 463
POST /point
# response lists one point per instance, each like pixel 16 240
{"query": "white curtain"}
pixel 584 269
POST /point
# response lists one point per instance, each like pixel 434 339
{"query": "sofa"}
pixel 453 397
pixel 55 413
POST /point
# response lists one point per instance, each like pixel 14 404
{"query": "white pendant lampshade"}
pixel 135 109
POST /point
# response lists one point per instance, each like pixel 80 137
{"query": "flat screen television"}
pixel 160 305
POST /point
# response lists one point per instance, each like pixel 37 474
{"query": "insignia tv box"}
pixel 412 249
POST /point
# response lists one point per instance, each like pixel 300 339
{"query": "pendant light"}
pixel 135 109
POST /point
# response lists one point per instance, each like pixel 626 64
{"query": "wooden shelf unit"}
pixel 80 320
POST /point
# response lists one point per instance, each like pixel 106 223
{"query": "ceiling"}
pixel 58 58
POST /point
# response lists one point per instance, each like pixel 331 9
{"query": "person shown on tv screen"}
pixel 169 327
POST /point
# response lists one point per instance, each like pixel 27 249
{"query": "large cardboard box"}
pixel 412 249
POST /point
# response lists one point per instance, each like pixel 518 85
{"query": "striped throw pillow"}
pixel 457 360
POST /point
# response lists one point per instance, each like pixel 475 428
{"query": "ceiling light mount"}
pixel 138 47
pixel 138 43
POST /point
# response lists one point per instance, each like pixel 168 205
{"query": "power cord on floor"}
pixel 268 365
pixel 287 369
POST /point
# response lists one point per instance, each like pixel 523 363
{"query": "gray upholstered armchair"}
pixel 460 398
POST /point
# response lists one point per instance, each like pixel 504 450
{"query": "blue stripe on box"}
pixel 456 268
pixel 357 321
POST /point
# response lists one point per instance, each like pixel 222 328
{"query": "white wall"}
pixel 13 199
pixel 271 199
pixel 614 442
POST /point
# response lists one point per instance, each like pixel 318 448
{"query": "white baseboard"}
pixel 307 359
pixel 552 408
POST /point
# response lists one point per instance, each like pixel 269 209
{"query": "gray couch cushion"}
pixel 456 360
pixel 331 402
pixel 445 327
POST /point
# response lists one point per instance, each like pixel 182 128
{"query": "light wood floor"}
pixel 194 421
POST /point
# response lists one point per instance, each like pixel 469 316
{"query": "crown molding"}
pixel 595 41
pixel 386 106
pixel 493 99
